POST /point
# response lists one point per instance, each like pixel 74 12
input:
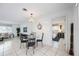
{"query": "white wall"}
pixel 76 29
pixel 77 41
pixel 28 25
pixel 71 15
pixel 14 29
pixel 46 22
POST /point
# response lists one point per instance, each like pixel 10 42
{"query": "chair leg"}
pixel 37 43
pixel 20 45
pixel 26 48
pixel 34 46
pixel 23 45
pixel 42 43
pixel 26 51
pixel 33 49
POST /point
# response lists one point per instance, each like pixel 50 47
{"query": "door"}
pixel 71 51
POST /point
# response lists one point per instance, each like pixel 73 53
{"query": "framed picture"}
pixel 25 29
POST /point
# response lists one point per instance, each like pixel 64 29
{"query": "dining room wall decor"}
pixel 39 26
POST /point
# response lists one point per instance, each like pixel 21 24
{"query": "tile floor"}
pixel 11 47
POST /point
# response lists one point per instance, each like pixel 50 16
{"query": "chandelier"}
pixel 31 18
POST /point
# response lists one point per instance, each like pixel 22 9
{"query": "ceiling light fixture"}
pixel 31 17
pixel 24 9
pixel 29 13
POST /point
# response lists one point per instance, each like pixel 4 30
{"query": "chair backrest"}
pixel 31 40
pixel 57 38
pixel 23 36
pixel 42 36
pixel 33 34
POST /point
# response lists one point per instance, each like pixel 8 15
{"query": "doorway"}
pixel 18 31
pixel 71 51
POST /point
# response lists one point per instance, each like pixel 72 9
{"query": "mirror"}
pixel 39 26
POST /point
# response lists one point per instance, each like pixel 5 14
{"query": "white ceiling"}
pixel 13 13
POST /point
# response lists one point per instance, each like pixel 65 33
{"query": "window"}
pixel 5 29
